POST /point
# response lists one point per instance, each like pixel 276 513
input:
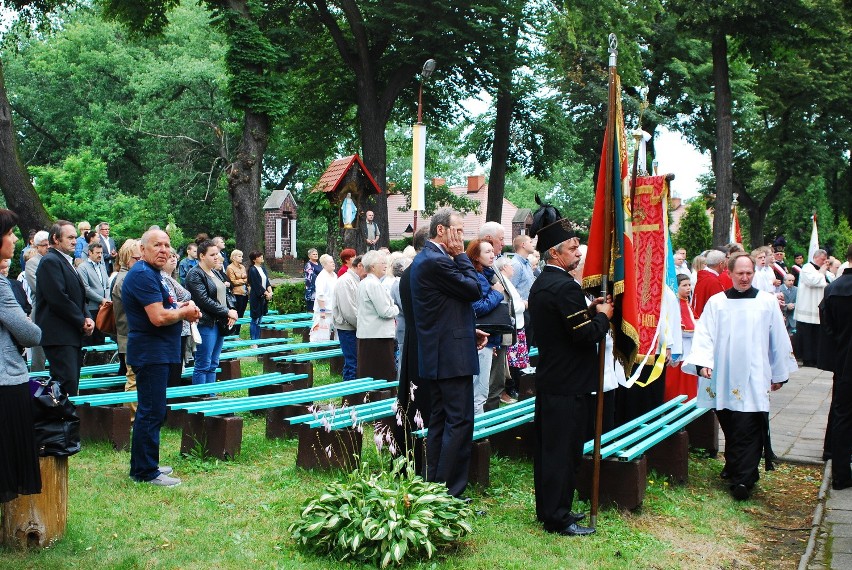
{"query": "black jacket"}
pixel 567 335
pixel 61 301
pixel 203 291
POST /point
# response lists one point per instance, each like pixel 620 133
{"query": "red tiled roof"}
pixel 335 172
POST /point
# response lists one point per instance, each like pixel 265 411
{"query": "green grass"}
pixel 235 515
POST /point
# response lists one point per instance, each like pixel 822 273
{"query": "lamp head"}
pixel 428 68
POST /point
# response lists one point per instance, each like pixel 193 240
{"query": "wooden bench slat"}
pixel 507 425
pixel 110 381
pixel 291 399
pixel 647 429
pixel 625 428
pixel 359 409
pixel 661 434
pixel 306 395
pixel 194 390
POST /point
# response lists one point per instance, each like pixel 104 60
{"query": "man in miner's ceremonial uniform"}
pixel 567 374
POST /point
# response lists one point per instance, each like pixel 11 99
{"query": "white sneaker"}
pixel 164 481
pixel 165 470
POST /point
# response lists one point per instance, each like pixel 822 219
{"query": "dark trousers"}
pixel 349 347
pixel 745 434
pixel 151 382
pixel 841 429
pixel 450 437
pixel 65 363
pixel 808 343
pixel 608 415
pixel 242 303
pixel 560 429
pixel 630 403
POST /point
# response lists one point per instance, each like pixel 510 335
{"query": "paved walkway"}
pixel 798 418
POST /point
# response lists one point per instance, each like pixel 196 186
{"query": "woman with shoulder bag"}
pixel 210 293
pixel 481 254
pixel 19 468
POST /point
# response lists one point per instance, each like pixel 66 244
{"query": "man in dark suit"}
pixel 61 313
pixel 443 286
pixel 566 376
pixel 110 251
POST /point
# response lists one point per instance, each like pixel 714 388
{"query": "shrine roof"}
pixel 338 169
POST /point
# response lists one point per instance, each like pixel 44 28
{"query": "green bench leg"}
pixel 277 426
pixel 229 370
pixel 319 449
pixel 517 442
pixel 622 483
pixel 670 457
pixel 480 460
pixel 704 433
pixel 105 423
pixel 214 436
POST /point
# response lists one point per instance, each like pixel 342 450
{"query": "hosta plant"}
pixel 381 517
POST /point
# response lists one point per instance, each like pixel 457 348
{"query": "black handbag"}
pixel 57 427
pixel 499 321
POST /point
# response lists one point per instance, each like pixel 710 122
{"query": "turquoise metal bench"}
pixel 104 417
pixel 656 440
pixel 96 370
pixel 212 427
pixel 113 381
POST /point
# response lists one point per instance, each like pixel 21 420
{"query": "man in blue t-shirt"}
pixel 153 344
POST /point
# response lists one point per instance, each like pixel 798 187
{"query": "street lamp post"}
pixel 418 160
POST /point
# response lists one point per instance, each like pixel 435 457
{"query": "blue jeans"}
pixel 254 328
pixel 151 381
pixel 207 354
pixel 349 346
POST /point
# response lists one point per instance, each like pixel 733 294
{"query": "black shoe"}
pixel 576 517
pixel 465 500
pixel 739 492
pixel 574 529
pixel 826 455
pixel 838 485
pixel 514 394
pixel 724 474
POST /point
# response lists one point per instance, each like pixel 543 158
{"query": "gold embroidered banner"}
pixel 649 245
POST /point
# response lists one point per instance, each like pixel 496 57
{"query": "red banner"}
pixel 649 245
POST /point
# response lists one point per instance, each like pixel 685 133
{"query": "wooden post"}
pixel 38 521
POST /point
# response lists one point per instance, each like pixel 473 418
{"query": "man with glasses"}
pixel 61 308
pixel 40 244
pixel 110 251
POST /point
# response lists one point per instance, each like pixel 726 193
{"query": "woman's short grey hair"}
pixel 371 258
pixel 325 258
pixel 399 265
pixel 501 262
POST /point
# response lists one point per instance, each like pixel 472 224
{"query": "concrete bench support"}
pixel 278 427
pixel 517 442
pixel 622 483
pixel 480 461
pixel 229 370
pixel 670 457
pixel 106 423
pixel 704 433
pixel 335 365
pixel 526 386
pixel 319 449
pixel 216 436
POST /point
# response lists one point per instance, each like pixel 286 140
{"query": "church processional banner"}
pixel 649 244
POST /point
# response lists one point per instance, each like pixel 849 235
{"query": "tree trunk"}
pixel 374 149
pixel 724 140
pixel 244 180
pixel 500 151
pixel 15 183
pixel 38 521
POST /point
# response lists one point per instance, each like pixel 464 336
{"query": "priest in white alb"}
pixel 742 353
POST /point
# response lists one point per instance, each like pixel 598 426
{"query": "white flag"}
pixel 814 245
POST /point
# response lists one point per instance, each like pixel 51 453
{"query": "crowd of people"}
pixel 453 324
